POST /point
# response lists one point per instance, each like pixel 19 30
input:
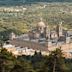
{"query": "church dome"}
pixel 41 24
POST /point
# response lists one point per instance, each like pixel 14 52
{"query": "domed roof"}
pixel 41 24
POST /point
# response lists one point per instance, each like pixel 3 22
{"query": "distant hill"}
pixel 20 2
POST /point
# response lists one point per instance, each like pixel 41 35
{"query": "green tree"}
pixel 22 66
pixel 56 62
pixel 7 60
pixel 38 62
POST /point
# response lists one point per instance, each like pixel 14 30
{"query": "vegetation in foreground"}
pixel 36 63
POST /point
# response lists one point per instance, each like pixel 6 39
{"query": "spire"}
pixel 60 24
pixel 48 32
pixel 41 19
pixel 60 29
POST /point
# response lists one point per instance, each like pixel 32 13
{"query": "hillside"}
pixel 21 19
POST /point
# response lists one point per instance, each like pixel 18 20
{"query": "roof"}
pixel 8 46
pixel 30 44
pixel 41 24
pixel 69 33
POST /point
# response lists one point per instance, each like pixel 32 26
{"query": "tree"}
pixel 22 66
pixel 55 62
pixel 38 62
pixel 7 60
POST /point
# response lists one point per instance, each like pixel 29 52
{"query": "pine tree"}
pixel 55 62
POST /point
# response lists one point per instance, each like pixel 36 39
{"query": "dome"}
pixel 41 24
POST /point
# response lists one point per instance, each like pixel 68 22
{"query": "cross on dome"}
pixel 41 23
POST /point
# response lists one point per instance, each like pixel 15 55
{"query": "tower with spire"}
pixel 48 34
pixel 59 30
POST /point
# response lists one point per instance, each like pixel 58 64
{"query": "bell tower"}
pixel 59 30
pixel 48 32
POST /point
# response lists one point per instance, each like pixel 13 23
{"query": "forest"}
pixel 55 62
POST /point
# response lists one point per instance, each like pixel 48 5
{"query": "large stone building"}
pixel 43 31
pixel 42 38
